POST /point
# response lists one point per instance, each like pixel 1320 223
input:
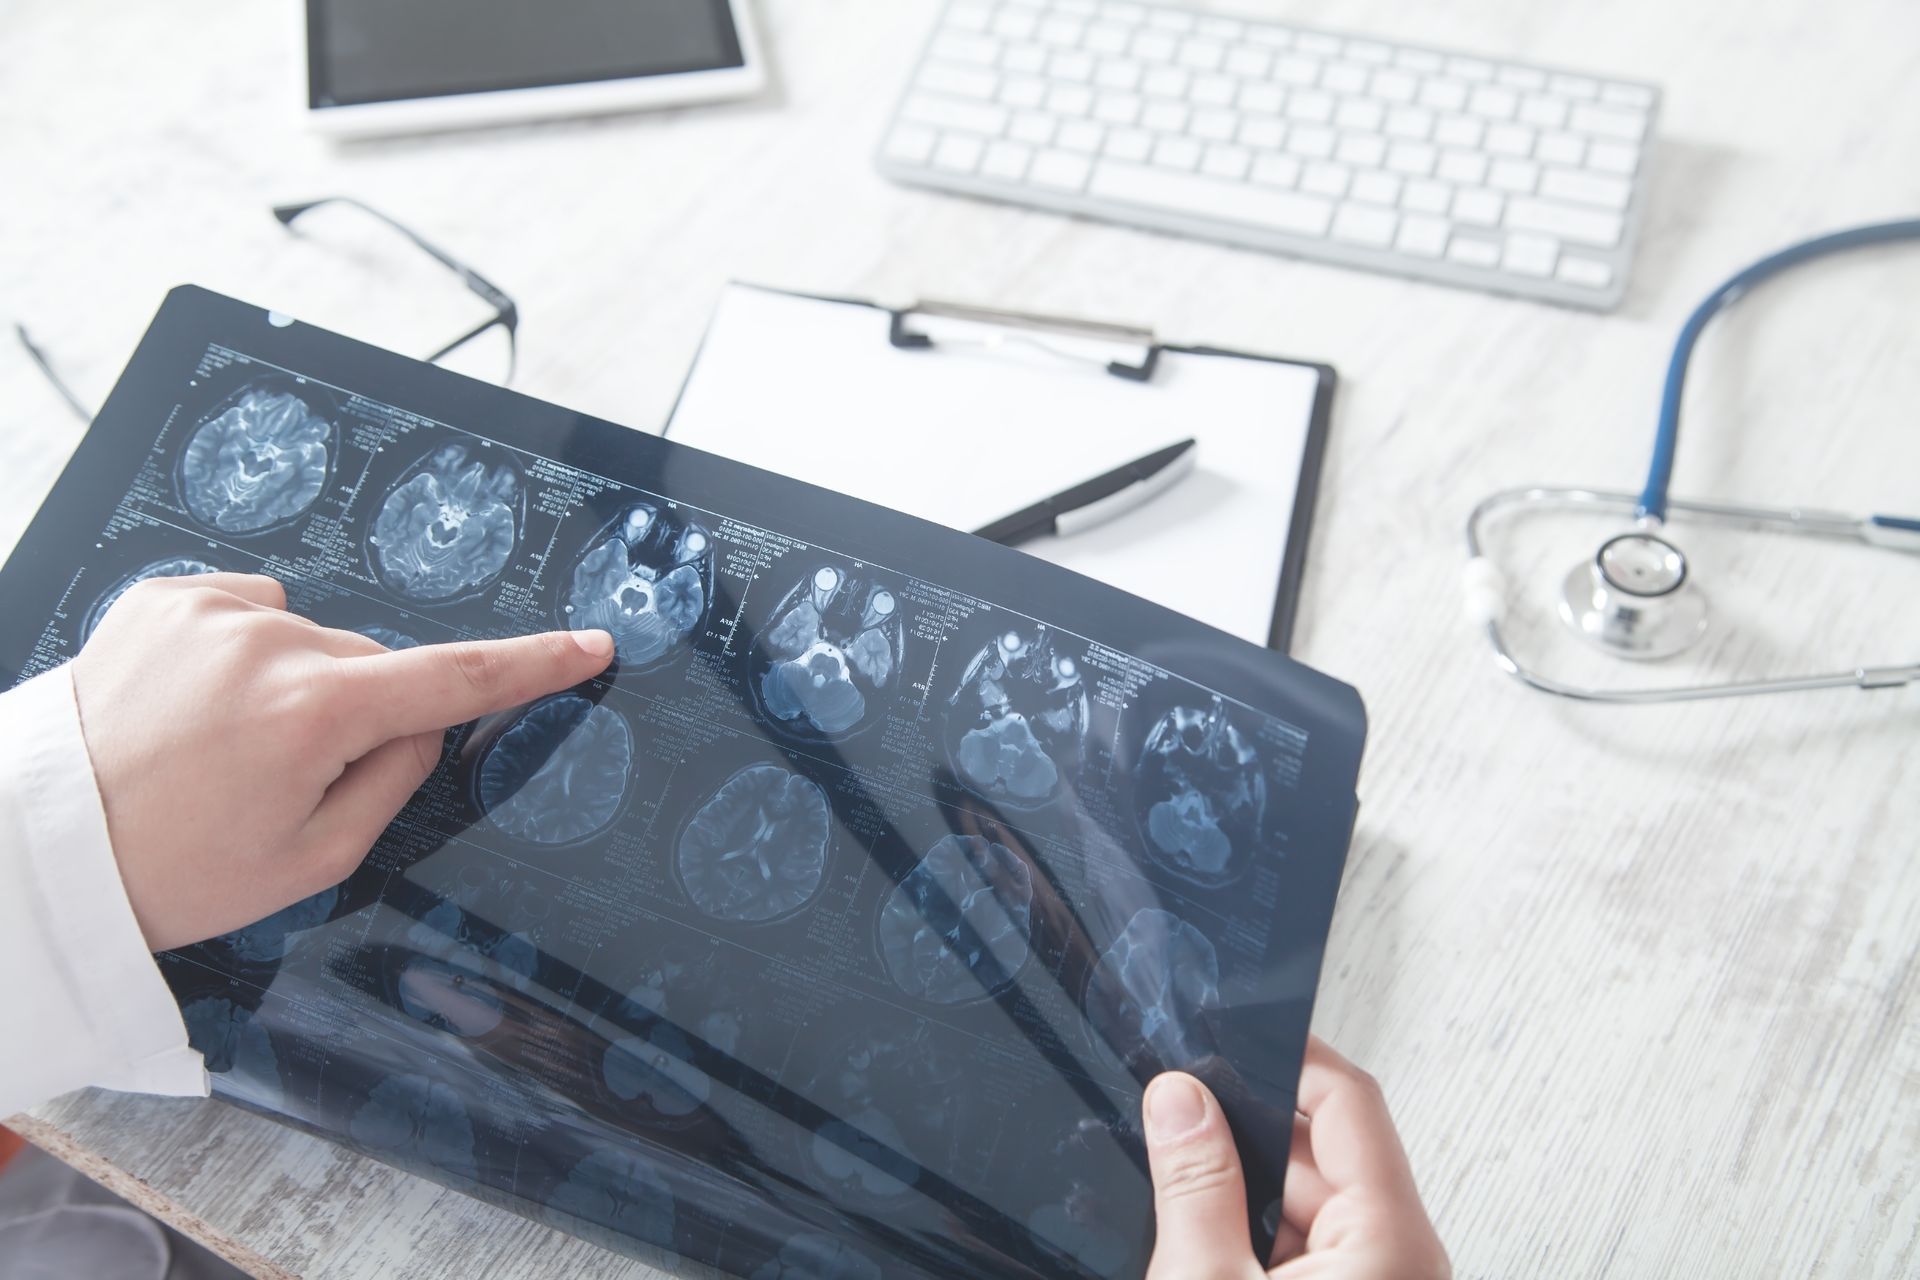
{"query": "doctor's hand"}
pixel 248 758
pixel 1350 1210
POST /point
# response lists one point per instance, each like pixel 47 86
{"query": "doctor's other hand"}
pixel 247 758
pixel 1350 1210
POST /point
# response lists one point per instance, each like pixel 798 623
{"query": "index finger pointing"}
pixel 426 689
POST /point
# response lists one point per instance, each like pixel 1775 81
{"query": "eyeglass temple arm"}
pixel 508 312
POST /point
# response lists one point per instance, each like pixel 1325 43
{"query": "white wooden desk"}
pixel 1642 985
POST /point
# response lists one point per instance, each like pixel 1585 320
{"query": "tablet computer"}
pixel 376 67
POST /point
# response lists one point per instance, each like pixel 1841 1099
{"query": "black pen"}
pixel 1094 501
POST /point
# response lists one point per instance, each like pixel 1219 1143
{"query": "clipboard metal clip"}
pixel 1068 339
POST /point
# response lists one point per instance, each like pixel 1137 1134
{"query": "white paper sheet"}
pixel 963 435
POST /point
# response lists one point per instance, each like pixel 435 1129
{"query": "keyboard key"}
pixel 1023 92
pixel 1361 150
pixel 1118 73
pixel 1027 59
pixel 1344 77
pixel 1261 97
pixel 1369 52
pixel 1249 64
pixel 971 15
pixel 1317 43
pixel 1202 55
pixel 1419 60
pixel 1061 170
pixel 1361 114
pixel 1276 171
pixel 1473 252
pixel 1227 29
pixel 957 46
pixel 1063 31
pixel 1262 133
pixel 959 80
pixel 1191 194
pixel 1516 176
pixel 1394 86
pixel 1521 78
pixel 1561 148
pixel 1124 11
pixel 1166 82
pixel 953 113
pixel 1107 37
pixel 1376 188
pixel 1032 127
pixel 1636 96
pixel 1613 157
pixel 1176 153
pixel 1414 159
pixel 1310 105
pixel 1129 144
pixel 1294 69
pixel 1006 160
pixel 1590 272
pixel 1310 140
pixel 1606 122
pixel 1222 161
pixel 1575 87
pixel 1544 113
pixel 1424 196
pixel 1170 20
pixel 1080 135
pixel 1325 178
pixel 1585 188
pixel 1214 126
pixel 1214 91
pixel 1443 95
pixel 1477 70
pixel 1415 124
pixel 1422 236
pixel 958 153
pixel 1364 224
pixel 1509 140
pixel 1477 208
pixel 1528 255
pixel 1567 222
pixel 1167 117
pixel 1493 102
pixel 1016 24
pixel 1459 131
pixel 1117 108
pixel 1075 65
pixel 1468 168
pixel 1269 37
pixel 910 143
pixel 1070 99
pixel 1154 47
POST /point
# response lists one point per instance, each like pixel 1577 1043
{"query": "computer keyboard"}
pixel 1441 166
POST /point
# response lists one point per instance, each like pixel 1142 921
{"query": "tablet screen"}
pixel 362 51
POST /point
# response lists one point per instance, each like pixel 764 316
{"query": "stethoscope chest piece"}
pixel 1635 599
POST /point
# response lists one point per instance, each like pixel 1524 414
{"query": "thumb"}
pixel 1199 1193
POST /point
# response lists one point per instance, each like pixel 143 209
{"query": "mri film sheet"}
pixel 834 931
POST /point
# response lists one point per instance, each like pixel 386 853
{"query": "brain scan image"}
pixel 388 637
pixel 1148 992
pixel 559 773
pixel 811 1255
pixel 411 1117
pixel 647 579
pixel 958 925
pixel 1085 1223
pixel 757 849
pixel 1201 796
pixel 849 1155
pixel 888 1094
pixel 449 996
pixel 172 567
pixel 448 526
pixel 260 462
pixel 267 940
pixel 620 1191
pixel 230 1038
pixel 832 652
pixel 652 1069
pixel 1018 721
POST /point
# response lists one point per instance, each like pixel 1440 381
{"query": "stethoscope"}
pixel 1637 598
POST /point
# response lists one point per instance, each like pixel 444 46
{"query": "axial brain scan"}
pixel 559 772
pixel 449 995
pixel 1202 797
pixel 958 925
pixel 1019 717
pixel 448 526
pixel 652 1069
pixel 887 1094
pixel 389 637
pixel 757 848
pixel 644 578
pixel 260 462
pixel 1146 997
pixel 268 939
pixel 834 648
pixel 412 1117
pixel 813 1256
pixel 619 1191
pixel 172 567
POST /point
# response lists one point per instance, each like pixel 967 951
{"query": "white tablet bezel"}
pixel 500 106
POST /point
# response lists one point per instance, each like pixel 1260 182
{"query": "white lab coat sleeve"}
pixel 82 1001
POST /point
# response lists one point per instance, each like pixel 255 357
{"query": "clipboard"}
pixel 961 414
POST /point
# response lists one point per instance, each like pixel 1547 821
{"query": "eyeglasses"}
pixel 505 312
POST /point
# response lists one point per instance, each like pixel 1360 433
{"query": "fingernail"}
pixel 598 644
pixel 1175 1107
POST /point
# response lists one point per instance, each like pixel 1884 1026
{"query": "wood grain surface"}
pixel 1640 983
